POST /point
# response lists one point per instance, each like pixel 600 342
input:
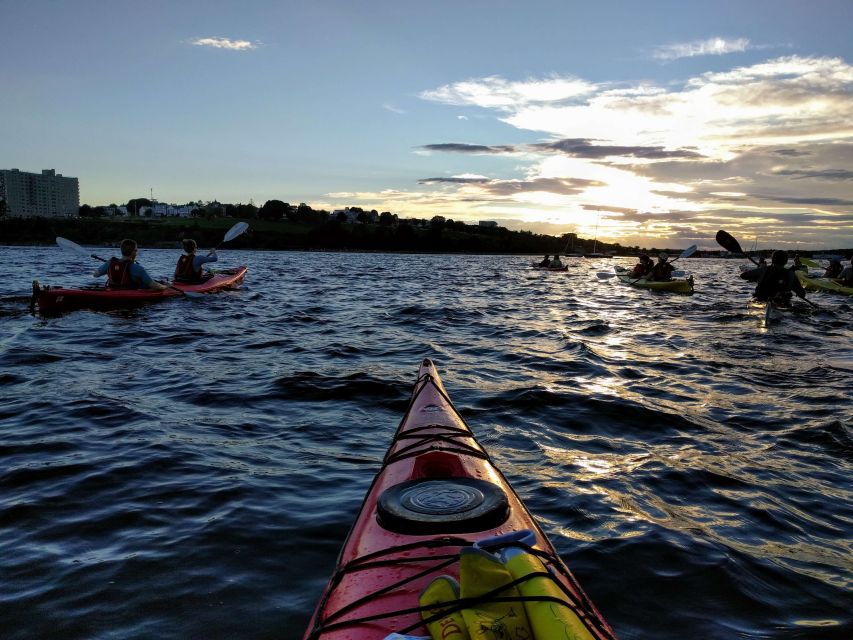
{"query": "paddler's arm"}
pixel 139 273
pixel 101 270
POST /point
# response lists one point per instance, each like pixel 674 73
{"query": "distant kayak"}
pixel 823 284
pixel 535 265
pixel 678 285
pixel 425 536
pixel 57 299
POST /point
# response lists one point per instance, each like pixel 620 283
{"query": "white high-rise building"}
pixel 46 194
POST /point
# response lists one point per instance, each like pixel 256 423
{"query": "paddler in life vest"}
pixel 189 265
pixel 662 271
pixel 778 281
pixel 556 263
pixel 833 270
pixel 126 273
pixel 643 267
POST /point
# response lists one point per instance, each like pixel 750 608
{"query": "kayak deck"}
pixel 823 284
pixel 388 560
pixel 57 299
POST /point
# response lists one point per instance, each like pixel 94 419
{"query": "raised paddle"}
pixel 233 232
pixel 728 242
pixel 65 243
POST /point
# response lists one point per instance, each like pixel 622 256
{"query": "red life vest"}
pixel 640 270
pixel 118 274
pixel 184 271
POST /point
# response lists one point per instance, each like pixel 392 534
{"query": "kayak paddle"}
pixel 65 243
pixel 233 232
pixel 727 242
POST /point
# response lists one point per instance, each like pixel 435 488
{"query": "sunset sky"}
pixel 648 123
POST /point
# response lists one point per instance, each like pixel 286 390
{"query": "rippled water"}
pixel 190 469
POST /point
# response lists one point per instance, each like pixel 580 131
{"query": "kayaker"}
pixel 127 273
pixel 546 261
pixel 662 271
pixel 777 280
pixel 846 277
pixel 833 270
pixel 643 267
pixel 189 265
pixel 556 263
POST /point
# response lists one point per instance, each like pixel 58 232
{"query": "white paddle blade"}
pixel 689 251
pixel 65 243
pixel 235 231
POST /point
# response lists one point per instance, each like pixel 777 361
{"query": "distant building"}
pixel 48 194
pixel 488 223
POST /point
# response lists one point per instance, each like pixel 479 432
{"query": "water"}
pixel 190 469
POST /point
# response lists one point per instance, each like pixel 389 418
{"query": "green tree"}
pixel 135 206
pixel 274 210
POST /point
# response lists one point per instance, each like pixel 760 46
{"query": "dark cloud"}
pixel 574 147
pixel 583 148
pixel 823 174
pixel 791 153
pixel 459 147
pixel 815 201
pixel 453 180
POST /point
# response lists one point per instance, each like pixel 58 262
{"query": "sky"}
pixel 644 123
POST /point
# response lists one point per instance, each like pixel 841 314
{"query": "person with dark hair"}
pixel 643 267
pixel 127 273
pixel 189 265
pixel 556 263
pixel 546 261
pixel 662 271
pixel 778 282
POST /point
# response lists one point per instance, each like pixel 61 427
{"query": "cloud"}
pixel 226 43
pixel 495 92
pixel 574 147
pixel 456 147
pixel 454 180
pixel 822 174
pixel 564 186
pixel 709 47
pixel 774 139
pixel 580 148
pixel 393 109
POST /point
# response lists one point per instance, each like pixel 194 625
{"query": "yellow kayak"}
pixel 823 284
pixel 679 285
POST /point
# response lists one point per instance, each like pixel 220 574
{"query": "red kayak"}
pixel 57 299
pixel 436 495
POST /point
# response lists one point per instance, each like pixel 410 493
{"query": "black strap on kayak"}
pixel 448 434
pixel 582 609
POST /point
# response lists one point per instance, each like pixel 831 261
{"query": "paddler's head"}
pixel 128 248
pixel 189 246
pixel 645 258
pixel 663 257
pixel 780 258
